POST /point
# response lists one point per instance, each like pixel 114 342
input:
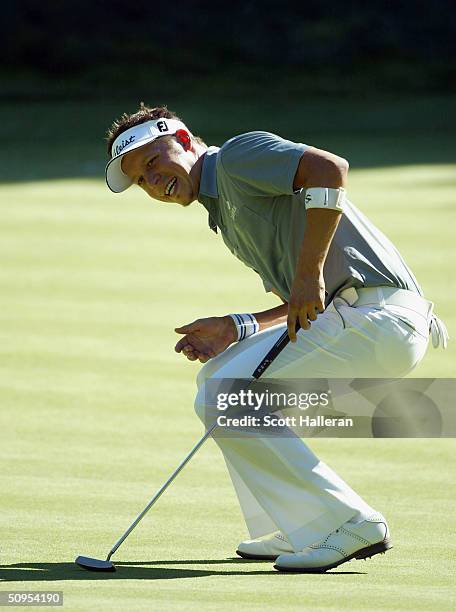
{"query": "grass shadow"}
pixel 402 130
pixel 134 570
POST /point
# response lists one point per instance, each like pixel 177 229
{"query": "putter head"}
pixel 95 565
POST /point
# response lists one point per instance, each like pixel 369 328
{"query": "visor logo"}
pixel 120 147
pixel 161 126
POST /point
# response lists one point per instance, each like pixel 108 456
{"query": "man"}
pixel 281 208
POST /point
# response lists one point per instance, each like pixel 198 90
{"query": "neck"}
pixel 195 172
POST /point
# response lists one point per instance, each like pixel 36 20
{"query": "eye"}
pixel 140 181
pixel 152 161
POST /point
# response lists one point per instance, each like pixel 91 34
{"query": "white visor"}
pixel 134 138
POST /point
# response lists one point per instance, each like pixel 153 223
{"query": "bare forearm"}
pixel 271 317
pixel 319 168
pixel 307 296
pixel 320 229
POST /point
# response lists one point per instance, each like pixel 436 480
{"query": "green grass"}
pixel 65 139
pixel 96 408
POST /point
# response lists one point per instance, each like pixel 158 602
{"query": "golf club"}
pixel 98 565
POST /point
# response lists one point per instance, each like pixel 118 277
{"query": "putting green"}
pixel 96 408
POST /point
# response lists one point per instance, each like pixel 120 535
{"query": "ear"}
pixel 184 138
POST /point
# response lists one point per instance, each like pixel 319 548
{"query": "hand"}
pixel 206 338
pixel 307 299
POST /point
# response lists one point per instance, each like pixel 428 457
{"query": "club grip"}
pixel 273 352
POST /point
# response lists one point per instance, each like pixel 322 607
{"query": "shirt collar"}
pixel 208 192
pixel 208 180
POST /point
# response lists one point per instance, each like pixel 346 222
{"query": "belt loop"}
pixel 350 295
pixel 380 297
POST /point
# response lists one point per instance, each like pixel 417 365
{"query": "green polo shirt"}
pixel 247 188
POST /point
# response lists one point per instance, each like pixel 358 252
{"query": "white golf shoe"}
pixel 351 541
pixel 268 548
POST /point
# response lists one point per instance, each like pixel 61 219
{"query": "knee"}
pixel 203 375
pixel 200 408
pixel 200 400
pixel 205 411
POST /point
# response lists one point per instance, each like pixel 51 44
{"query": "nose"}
pixel 153 185
pixel 153 178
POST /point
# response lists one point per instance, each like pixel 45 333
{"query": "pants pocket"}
pixel 400 348
pixel 413 320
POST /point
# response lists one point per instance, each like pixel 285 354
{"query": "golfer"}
pixel 281 207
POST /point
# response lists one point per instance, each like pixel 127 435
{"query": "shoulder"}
pixel 256 147
pixel 261 163
pixel 250 140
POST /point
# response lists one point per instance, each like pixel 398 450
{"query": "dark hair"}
pixel 143 114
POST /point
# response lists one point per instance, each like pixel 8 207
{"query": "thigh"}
pixel 363 342
pixel 344 342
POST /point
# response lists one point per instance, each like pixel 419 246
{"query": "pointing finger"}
pixel 188 328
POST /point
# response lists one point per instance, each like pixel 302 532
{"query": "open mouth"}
pixel 170 185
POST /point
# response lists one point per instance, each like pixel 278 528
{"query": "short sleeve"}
pixel 262 163
pixel 267 286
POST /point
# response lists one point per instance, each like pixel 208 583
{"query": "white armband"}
pixel 325 197
pixel 246 325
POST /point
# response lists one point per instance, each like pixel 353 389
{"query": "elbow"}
pixel 335 169
pixel 340 171
pixel 343 166
pixel 319 168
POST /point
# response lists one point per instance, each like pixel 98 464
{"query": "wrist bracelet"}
pixel 246 325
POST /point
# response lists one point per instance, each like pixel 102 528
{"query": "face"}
pixel 166 170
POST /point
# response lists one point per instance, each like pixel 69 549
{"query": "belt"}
pixel 383 296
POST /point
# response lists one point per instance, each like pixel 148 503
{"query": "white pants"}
pixel 280 483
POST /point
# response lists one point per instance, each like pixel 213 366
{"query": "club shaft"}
pixel 262 367
pixel 160 492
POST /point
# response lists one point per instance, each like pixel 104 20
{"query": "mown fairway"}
pixel 96 408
